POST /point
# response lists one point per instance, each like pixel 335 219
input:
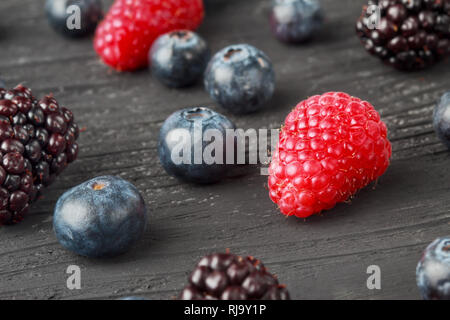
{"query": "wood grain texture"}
pixel 324 257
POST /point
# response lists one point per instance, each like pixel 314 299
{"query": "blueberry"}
pixel 101 217
pixel 184 154
pixel 433 270
pixel 240 78
pixel 441 119
pixel 74 18
pixel 133 298
pixel 295 21
pixel 179 58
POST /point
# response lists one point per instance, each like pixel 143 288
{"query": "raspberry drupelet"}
pixel 330 147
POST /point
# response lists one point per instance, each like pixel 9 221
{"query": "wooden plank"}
pixel 323 257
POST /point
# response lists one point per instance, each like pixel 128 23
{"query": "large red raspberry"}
pixel 125 36
pixel 330 147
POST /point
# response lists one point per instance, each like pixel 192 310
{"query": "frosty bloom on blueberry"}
pixel 441 119
pixel 433 270
pixel 182 145
pixel 295 20
pixel 101 217
pixel 179 58
pixel 330 147
pixel 240 78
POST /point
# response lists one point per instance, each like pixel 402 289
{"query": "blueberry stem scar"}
pixel 230 53
pixel 98 186
pixel 197 113
pixel 183 35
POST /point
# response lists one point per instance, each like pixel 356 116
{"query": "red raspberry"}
pixel 125 36
pixel 330 147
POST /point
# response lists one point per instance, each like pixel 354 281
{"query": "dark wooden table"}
pixel 325 257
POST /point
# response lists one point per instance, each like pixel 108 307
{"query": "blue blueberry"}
pixel 240 78
pixel 441 119
pixel 295 21
pixel 433 271
pixel 179 58
pixel 133 298
pixel 63 16
pixel 101 217
pixel 184 154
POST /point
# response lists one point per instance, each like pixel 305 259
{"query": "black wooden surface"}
pixel 324 257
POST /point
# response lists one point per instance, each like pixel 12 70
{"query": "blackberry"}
pixel 37 141
pixel 224 276
pixel 410 34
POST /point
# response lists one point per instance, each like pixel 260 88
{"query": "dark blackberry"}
pixel 37 141
pixel 6 130
pixel 59 163
pixel 410 35
pixel 12 145
pixel 42 136
pixel 33 151
pixel 72 152
pixel 20 119
pixel 42 172
pixel 56 144
pixel 224 276
pixel 21 134
pixel 7 108
pixel 12 182
pixel 36 116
